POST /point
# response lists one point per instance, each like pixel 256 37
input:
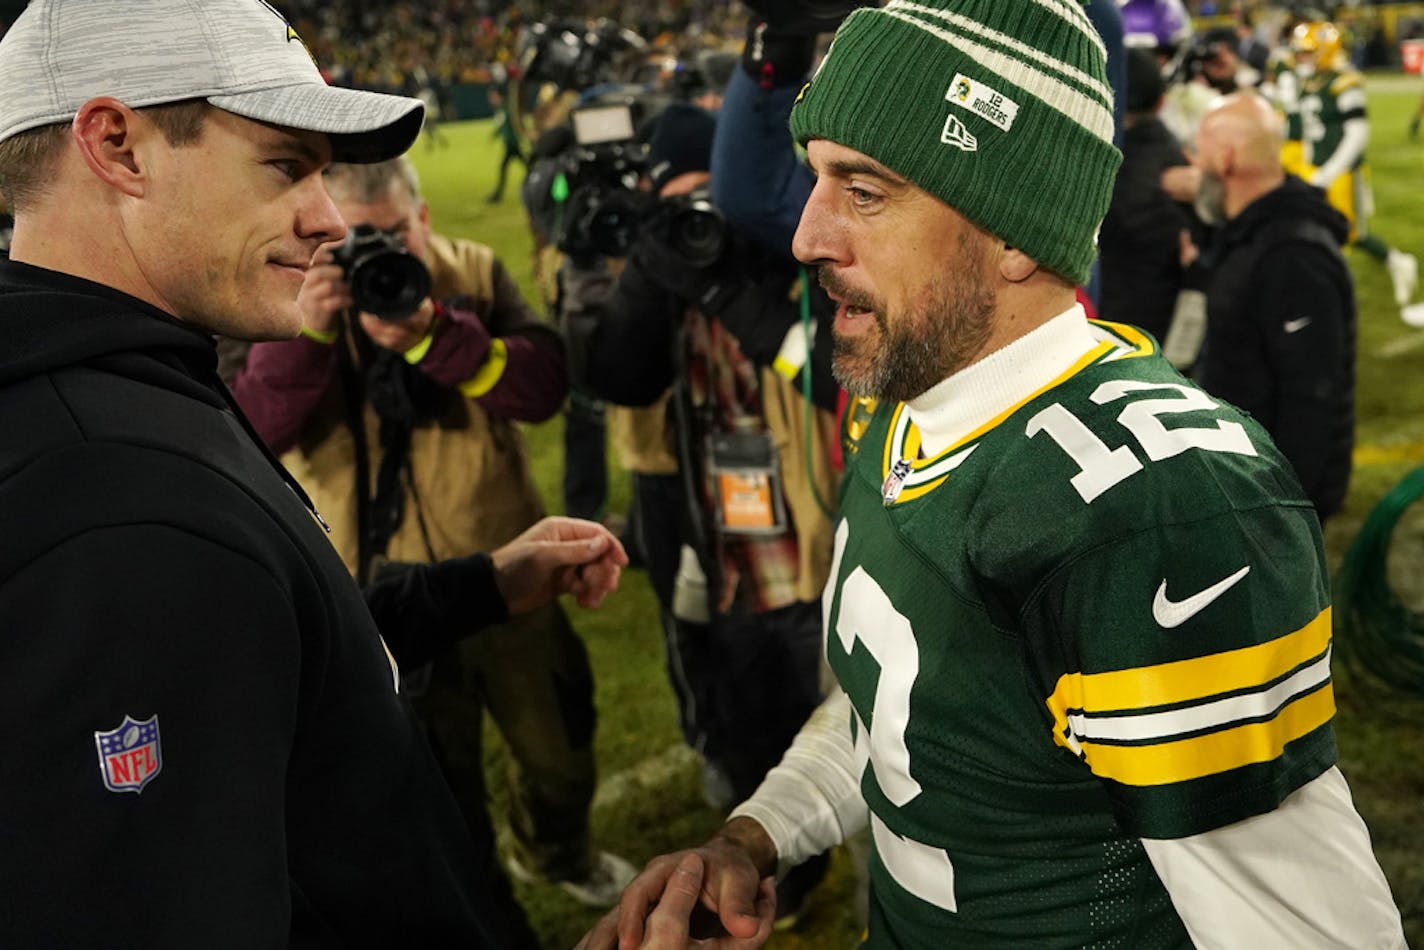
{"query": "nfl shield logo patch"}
pixel 129 755
pixel 894 481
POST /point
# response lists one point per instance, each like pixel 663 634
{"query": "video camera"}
pixel 386 280
pixel 605 211
pixel 573 56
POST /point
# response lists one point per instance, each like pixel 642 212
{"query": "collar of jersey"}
pixel 988 392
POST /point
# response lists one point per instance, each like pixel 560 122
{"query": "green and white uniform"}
pixel 1329 101
pixel 1100 617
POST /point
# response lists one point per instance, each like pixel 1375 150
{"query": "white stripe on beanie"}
pixel 1092 114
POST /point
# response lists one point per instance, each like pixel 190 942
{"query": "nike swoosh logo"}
pixel 1291 326
pixel 1171 613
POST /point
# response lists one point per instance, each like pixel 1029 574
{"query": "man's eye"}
pixel 291 168
pixel 861 197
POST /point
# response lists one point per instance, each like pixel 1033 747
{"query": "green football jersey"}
pixel 1102 617
pixel 1285 92
pixel 1328 100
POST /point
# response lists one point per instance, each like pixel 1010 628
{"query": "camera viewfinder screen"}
pixel 603 124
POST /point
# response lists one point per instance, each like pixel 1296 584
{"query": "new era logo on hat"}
pixel 240 55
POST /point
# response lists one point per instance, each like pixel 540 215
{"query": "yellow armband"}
pixel 324 337
pixel 490 373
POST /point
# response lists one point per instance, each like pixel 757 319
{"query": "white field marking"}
pixel 1401 345
pixel 653 773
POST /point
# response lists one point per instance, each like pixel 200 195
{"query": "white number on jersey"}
pixel 866 614
pixel 1100 468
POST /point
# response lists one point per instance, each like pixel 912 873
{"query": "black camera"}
pixel 607 220
pixel 691 225
pixel 385 279
pixel 604 211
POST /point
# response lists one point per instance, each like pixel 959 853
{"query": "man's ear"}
pixel 1015 266
pixel 107 134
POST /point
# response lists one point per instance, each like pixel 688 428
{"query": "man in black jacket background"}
pixel 215 751
pixel 1280 339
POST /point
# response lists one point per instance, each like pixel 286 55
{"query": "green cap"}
pixel 1000 108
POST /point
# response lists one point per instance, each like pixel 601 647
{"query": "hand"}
pixel 558 556
pixel 398 336
pixel 736 906
pixel 324 294
pixel 1182 182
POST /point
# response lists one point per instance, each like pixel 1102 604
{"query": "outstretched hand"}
pixel 711 897
pixel 558 556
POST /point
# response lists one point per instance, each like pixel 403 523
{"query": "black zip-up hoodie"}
pixel 156 563
pixel 1280 339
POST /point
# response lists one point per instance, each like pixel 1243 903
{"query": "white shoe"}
pixel 1404 273
pixel 1413 314
pixel 603 885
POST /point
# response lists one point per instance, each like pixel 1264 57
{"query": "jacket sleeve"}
pixel 422 609
pixel 757 180
pixel 507 360
pixel 627 338
pixel 170 835
pixel 1305 305
pixel 280 386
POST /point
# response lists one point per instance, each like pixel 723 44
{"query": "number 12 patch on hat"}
pixel 129 755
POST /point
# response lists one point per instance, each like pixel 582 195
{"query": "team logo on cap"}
pixel 291 31
pixel 983 100
pixel 130 755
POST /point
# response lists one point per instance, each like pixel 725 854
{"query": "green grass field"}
pixel 649 795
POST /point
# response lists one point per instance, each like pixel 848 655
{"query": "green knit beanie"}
pixel 1000 108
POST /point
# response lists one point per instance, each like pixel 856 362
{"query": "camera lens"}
pixel 390 285
pixel 698 234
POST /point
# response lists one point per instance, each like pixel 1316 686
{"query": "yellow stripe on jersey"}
pixel 1186 759
pixel 1206 691
pixel 1140 342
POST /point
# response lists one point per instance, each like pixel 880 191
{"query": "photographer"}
pixel 400 425
pixel 743 523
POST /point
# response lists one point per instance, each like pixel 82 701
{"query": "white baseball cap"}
pixel 240 55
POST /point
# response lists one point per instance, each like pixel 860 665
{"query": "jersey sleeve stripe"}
pixel 1189 681
pixel 1182 760
pixel 1256 706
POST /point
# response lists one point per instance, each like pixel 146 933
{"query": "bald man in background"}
pixel 1280 338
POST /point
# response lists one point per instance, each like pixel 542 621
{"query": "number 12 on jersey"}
pixel 1100 468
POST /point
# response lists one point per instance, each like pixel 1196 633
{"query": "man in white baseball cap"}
pixel 215 752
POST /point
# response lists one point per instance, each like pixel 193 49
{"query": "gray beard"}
pixel 915 351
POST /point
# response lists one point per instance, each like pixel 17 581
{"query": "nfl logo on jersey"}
pixel 129 755
pixel 895 481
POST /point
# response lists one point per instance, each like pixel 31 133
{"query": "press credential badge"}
pixel 983 101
